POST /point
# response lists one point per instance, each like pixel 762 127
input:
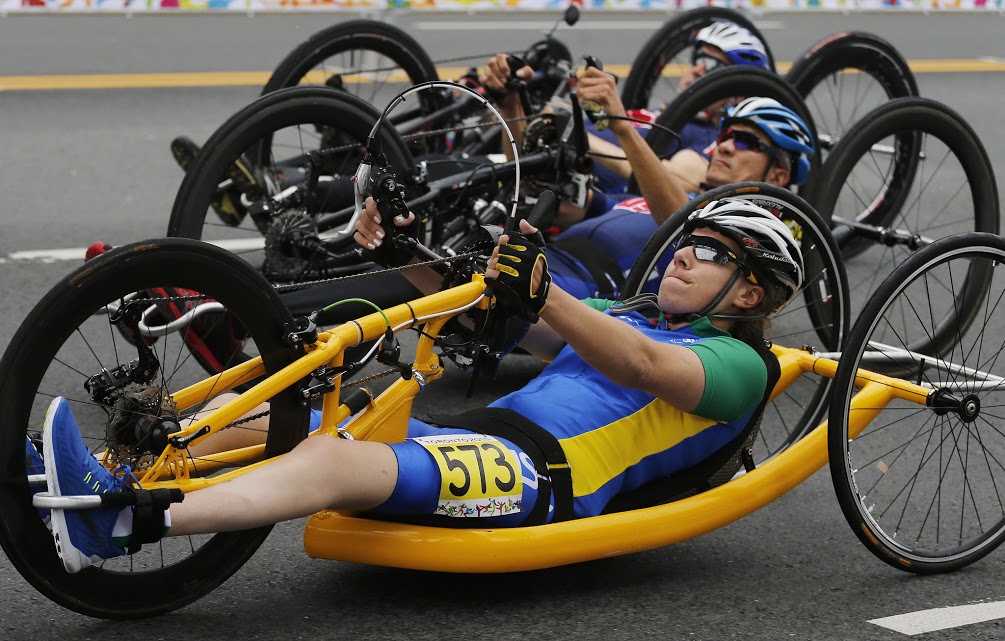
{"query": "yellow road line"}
pixel 259 78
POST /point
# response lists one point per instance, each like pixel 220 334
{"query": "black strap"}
pixel 148 515
pixel 603 268
pixel 542 447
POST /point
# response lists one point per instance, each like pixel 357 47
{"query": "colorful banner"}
pixel 334 5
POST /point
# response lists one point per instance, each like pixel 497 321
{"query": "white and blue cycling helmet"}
pixel 740 45
pixel 787 130
pixel 769 248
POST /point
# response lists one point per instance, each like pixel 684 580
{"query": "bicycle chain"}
pixel 388 270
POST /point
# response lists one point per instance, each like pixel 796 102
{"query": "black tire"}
pixel 838 100
pixel 309 119
pixel 954 191
pixel 399 52
pixel 818 75
pixel 731 82
pixel 920 484
pixel 61 344
pixel 818 317
pixel 668 42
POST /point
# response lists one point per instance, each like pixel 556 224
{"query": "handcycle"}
pixel 310 63
pixel 134 378
pixel 916 525
pixel 278 132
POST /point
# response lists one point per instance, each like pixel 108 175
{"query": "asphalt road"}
pixel 83 165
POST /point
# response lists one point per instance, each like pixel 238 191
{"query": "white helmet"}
pixel 740 45
pixel 767 242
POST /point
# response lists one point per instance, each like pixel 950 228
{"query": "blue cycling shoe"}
pixel 34 465
pixel 83 536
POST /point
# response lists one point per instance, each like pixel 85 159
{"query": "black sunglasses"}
pixel 710 61
pixel 714 251
pixel 744 140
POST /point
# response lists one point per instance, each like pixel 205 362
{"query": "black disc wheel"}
pixel 953 190
pixel 818 317
pixel 73 345
pixel 916 460
pixel 247 190
pixel 662 60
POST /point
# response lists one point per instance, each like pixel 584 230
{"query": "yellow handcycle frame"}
pixel 345 537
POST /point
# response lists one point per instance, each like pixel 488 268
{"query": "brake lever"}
pixel 580 141
pixel 515 84
pixel 594 111
pixel 360 182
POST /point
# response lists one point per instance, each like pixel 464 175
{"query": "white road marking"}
pixel 77 253
pixel 524 25
pixel 942 618
pixel 49 255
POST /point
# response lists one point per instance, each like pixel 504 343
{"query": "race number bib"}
pixel 479 476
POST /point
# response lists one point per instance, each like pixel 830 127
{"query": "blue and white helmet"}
pixel 786 130
pixel 740 45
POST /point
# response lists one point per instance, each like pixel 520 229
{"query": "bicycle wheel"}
pixel 818 317
pixel 658 66
pixel 953 191
pixel 272 141
pixel 370 59
pixel 843 77
pixel 920 480
pixel 69 341
pixel 713 94
pixel 846 75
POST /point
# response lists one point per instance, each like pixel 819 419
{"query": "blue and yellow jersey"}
pixel 617 439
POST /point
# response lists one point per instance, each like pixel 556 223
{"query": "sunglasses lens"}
pixel 742 140
pixel 710 62
pixel 709 254
pixel 705 250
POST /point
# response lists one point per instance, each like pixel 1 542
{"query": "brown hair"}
pixel 751 331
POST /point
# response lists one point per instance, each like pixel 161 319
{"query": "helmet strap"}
pixel 690 317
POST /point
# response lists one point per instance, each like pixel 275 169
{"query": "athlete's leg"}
pixel 322 472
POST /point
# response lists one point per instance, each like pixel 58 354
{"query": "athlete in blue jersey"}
pixel 625 401
pixel 759 140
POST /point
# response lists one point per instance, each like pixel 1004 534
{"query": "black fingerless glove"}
pixel 512 287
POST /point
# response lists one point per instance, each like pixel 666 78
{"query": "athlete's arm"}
pixel 664 192
pixel 623 354
pixel 615 349
pixel 494 76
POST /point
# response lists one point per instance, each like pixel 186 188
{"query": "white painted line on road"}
pixel 236 245
pixel 524 25
pixel 49 255
pixel 942 618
